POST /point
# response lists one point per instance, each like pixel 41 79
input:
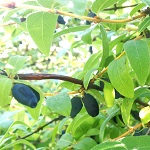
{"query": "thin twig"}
pixel 41 128
pixel 128 132
pixel 55 11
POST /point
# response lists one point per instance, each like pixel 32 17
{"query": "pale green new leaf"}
pixel 100 5
pixel 139 57
pixel 15 63
pixel 60 103
pixel 120 78
pixel 41 27
pixel 144 24
pixel 5 86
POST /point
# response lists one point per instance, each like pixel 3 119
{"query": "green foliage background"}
pixel 120 60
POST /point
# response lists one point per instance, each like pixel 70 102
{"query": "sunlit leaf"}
pixel 41 27
pixel 120 78
pixel 138 54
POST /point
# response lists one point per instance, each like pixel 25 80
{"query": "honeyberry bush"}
pixel 100 50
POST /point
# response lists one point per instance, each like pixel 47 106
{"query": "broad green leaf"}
pixel 136 8
pixel 120 78
pixel 136 142
pixel 103 126
pixel 81 124
pixel 147 2
pixel 64 141
pixel 88 77
pixel 71 29
pixel 92 62
pixel 105 43
pixel 34 112
pixel 139 57
pixel 128 102
pixel 86 36
pixel 100 5
pixel 144 24
pixel 86 143
pixel 41 27
pixel 60 103
pixel 5 86
pixel 15 63
pixel 22 141
pixel 110 146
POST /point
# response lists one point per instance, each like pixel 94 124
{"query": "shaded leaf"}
pixel 144 24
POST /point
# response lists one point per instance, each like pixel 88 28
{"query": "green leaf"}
pixel 85 144
pixel 116 41
pixel 81 124
pixel 144 24
pixel 82 5
pixel 100 5
pixel 41 27
pixel 64 141
pixel 92 62
pixel 137 142
pixel 110 146
pixel 147 2
pixel 88 77
pixel 105 43
pixel 120 78
pixel 109 94
pixel 136 8
pixel 138 54
pixel 5 86
pixel 71 29
pixel 60 103
pixel 46 3
pixel 128 102
pixel 22 141
pixel 15 63
pixel 86 36
pixel 103 126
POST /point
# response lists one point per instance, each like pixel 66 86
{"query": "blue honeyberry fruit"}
pixel 25 95
pixel 76 106
pixel 90 104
